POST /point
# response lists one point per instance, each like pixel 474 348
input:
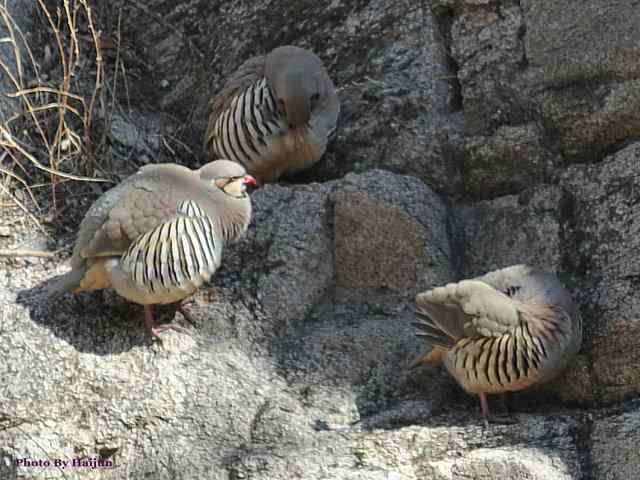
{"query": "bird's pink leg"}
pixel 148 318
pixel 484 405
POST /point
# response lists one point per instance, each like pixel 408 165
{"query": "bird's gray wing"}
pixel 469 308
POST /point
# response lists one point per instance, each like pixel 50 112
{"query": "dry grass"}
pixel 51 137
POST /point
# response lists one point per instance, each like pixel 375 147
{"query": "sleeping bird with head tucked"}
pixel 275 114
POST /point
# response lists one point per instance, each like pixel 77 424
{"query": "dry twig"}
pixel 51 127
pixel 19 252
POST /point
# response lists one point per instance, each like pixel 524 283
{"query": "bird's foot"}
pixel 158 329
pixel 499 419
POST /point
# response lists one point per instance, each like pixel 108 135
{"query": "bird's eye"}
pixel 314 100
pixel 221 182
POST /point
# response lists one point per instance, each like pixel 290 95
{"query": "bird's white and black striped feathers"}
pixel 495 363
pixel 244 131
pixel 180 253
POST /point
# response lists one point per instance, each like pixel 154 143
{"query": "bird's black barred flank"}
pixel 495 360
pixel 176 253
pixel 244 130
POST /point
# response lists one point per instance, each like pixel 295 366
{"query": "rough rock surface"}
pixel 252 370
pixel 530 67
pixel 512 140
pixel 616 435
pixel 604 231
pixel 522 228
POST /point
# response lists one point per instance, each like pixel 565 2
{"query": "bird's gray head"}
pixel 227 176
pixel 299 82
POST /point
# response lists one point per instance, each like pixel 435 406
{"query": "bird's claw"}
pixel 157 330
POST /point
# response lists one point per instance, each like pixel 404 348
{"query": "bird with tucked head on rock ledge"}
pixel 275 114
pixel 158 236
pixel 505 331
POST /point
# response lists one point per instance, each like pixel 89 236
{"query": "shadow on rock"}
pixel 90 322
pixel 348 365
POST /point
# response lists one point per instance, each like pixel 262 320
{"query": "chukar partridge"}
pixel 504 331
pixel 157 236
pixel 275 114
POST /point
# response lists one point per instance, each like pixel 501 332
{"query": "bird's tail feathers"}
pixel 440 324
pixel 66 282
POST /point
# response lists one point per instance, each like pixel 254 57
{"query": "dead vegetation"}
pixel 62 98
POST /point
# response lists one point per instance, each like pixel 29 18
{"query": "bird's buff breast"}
pixel 290 152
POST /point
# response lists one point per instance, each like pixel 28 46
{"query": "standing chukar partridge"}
pixel 504 331
pixel 157 236
pixel 275 114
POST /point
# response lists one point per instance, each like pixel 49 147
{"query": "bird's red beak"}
pixel 249 180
